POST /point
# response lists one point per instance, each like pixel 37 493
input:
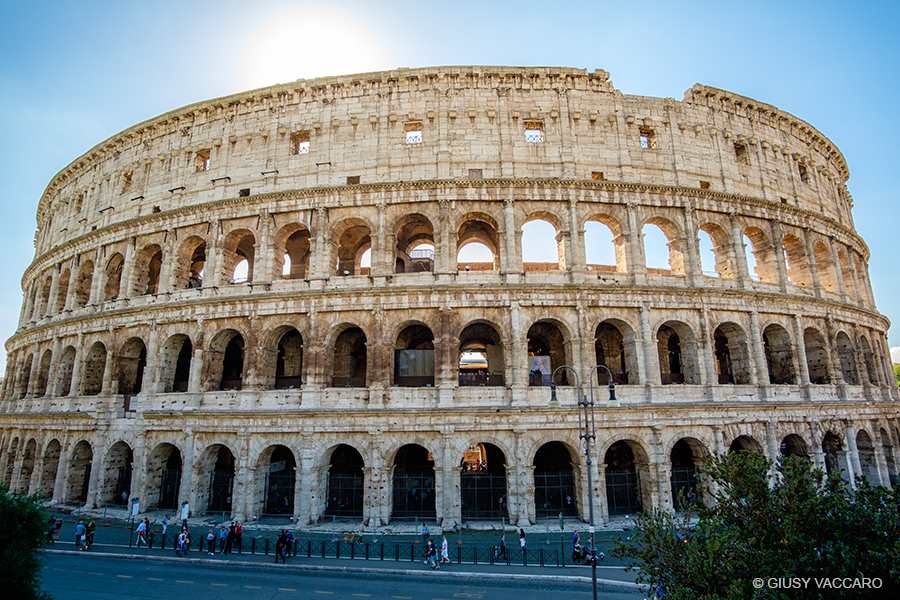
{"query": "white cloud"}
pixel 895 355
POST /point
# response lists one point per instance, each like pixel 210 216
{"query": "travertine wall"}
pixel 138 241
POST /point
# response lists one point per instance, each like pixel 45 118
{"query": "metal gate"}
pixel 345 495
pixel 220 487
pixel 168 489
pixel 413 495
pixel 280 493
pixel 687 479
pixel 481 495
pixel 123 485
pixel 623 495
pixel 554 493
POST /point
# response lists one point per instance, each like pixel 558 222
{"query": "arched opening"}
pixel 414 357
pixel 164 477
pixel 238 251
pixel 353 239
pixel 94 366
pixel 795 257
pixel 480 231
pixel 147 267
pixel 542 247
pixel 887 446
pixel 295 252
pixel 115 482
pixel 745 443
pixel 79 475
pixel 847 276
pixel 43 375
pixel 816 357
pixel 868 360
pixel 216 479
pixel 793 445
pixel 48 473
pixel 482 483
pixel 190 262
pixel 835 456
pixel 554 481
pixel 716 252
pixel 867 465
pixel 677 354
pixel 687 457
pixel 175 366
pixel 62 291
pixel 45 308
pixel 546 352
pixel 27 469
pixel 226 366
pixel 481 360
pixel 825 267
pixel 345 483
pixel 113 277
pixel 413 483
pixel 662 255
pixel 289 362
pixel 132 362
pixel 350 363
pixel 612 351
pixel 604 247
pixel 623 485
pixel 414 248
pixel 24 377
pixel 732 354
pixel 66 368
pixel 760 254
pixel 847 356
pixel 779 355
pixel 11 462
pixel 83 284
pixel 280 480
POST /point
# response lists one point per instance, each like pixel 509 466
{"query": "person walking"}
pixel 522 539
pixel 211 543
pixel 79 535
pixel 445 552
pixel 576 546
pixel 182 543
pixel 91 529
pixel 424 533
pixel 223 535
pixel 279 547
pixel 501 549
pixel 141 532
pixel 165 524
pixel 238 532
pixel 229 539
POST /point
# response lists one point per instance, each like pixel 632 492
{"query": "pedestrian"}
pixel 576 546
pixel 238 531
pixel 288 543
pixel 229 539
pixel 141 532
pixel 445 552
pixel 501 549
pixel 359 532
pixel 522 539
pixel 165 523
pixel 424 533
pixel 187 541
pixel 56 530
pixel 79 535
pixel 223 535
pixel 210 542
pixel 91 529
pixel 181 550
pixel 50 529
pixel 279 547
pixel 431 555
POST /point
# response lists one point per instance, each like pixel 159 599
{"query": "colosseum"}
pixel 258 304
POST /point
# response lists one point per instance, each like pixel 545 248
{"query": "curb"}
pixel 465 575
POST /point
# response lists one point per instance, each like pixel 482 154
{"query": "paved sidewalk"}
pixel 611 577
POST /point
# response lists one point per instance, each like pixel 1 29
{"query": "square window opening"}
pixel 534 132
pixel 202 161
pixel 804 173
pixel 704 185
pixel 597 175
pixel 648 138
pixel 126 181
pixel 740 154
pixel 413 132
pixel 243 193
pixel 353 180
pixel 476 174
pixel 300 142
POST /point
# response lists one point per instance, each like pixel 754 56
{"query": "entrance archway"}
pixel 48 474
pixel 481 359
pixel 686 456
pixel 554 481
pixel 280 480
pixel 482 483
pixel 345 483
pixel 623 486
pixel 793 445
pixel 413 483
pixel 164 477
pixel 79 476
pixel 745 443
pixel 115 486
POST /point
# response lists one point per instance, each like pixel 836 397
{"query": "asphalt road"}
pixel 85 577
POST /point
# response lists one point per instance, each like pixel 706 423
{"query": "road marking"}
pixel 124 576
pixel 180 581
pixel 220 584
pixel 252 587
pixel 291 590
pixel 321 592
pixel 155 579
pixel 89 573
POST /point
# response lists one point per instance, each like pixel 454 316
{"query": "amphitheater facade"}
pixel 256 304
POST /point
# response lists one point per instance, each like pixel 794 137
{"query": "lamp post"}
pixel 586 433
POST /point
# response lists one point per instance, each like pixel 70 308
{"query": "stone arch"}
pixel 413 483
pixel 547 341
pixel 215 479
pixel 847 356
pixel 349 357
pixel 618 240
pixel 410 232
pixel 288 367
pixel 78 476
pixel 532 238
pixel 346 482
pixel 745 443
pixel 24 376
pixel 627 477
pixel 27 468
pixel 686 457
pixel 825 267
pixel 190 263
pixel 45 308
pixel 779 353
pixel 480 228
pixel 817 362
pixel 835 456
pixel 147 269
pixel 275 493
pixel 482 482
pixel 292 244
pixel 175 363
pixel 869 361
pixel 847 276
pixel 47 483
pixel 677 349
pixel 66 369
pixel 226 361
pixel 867 464
pixel 732 353
pixel 164 468
pixel 615 347
pixel 555 489
pixel 115 480
pixel 764 252
pixel 722 248
pixel 794 445
pixel 887 446
pixel 113 277
pixel 132 362
pixel 62 291
pixel 675 244
pixel 239 245
pixel 414 356
pixel 94 365
pixel 43 374
pixel 352 238
pixel 11 456
pixel 83 283
pixel 479 340
pixel 795 258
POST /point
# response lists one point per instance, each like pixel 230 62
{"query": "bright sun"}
pixel 308 43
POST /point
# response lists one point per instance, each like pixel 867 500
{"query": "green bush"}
pixel 23 531
pixel 806 526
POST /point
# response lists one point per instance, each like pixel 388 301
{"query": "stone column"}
pixel 98 280
pixel 818 455
pixel 693 270
pixel 838 270
pixel 812 264
pixel 759 355
pixel 651 374
pixel 126 285
pixel 75 387
pixel 50 308
pixel 186 491
pixel 883 474
pixel 661 469
pixel 264 251
pixel 151 370
pixel 70 294
pixel 601 486
pixel 634 249
pixel 772 448
pixel 97 462
pixel 107 386
pixel 53 371
pixel 706 352
pixel 167 275
pixel 138 485
pixel 35 371
pixel 450 501
pixel 512 258
pixel 778 254
pixel 62 472
pixel 576 260
pixel 802 362
pixel 212 269
pixel 522 510
pixel 852 453
pixel 742 270
pixel 518 353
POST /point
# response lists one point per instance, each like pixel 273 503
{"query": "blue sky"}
pixel 73 74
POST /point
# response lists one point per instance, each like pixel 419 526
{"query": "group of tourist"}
pixel 227 538
pixel 84 533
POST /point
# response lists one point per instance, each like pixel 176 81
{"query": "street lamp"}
pixel 586 433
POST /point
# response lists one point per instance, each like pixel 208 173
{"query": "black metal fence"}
pixel 540 556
